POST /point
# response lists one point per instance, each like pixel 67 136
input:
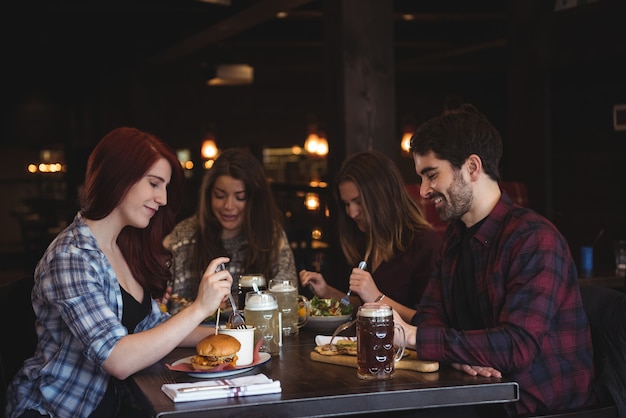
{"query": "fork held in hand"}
pixel 235 319
pixel 346 299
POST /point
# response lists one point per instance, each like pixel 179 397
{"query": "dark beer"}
pixel 246 284
pixel 376 354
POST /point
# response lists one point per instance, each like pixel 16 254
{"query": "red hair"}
pixel 117 162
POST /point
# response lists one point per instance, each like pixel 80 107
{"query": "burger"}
pixel 216 350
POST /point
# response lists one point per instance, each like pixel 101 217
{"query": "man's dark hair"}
pixel 458 133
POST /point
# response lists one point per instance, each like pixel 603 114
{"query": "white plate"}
pixel 325 339
pixel 263 358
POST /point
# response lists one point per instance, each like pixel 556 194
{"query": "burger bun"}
pixel 218 345
pixel 214 351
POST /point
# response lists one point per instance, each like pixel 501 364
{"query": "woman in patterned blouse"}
pixel 236 217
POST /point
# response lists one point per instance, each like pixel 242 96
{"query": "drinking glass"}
pixel 246 284
pixel 261 311
pixel 586 261
pixel 376 354
pixel 289 302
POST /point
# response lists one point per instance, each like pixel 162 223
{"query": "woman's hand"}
pixel 214 286
pixel 362 283
pixel 315 281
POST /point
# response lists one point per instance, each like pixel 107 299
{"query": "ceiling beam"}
pixel 250 17
pixel 452 53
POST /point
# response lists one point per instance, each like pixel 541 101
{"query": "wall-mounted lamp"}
pixel 316 142
pixel 405 142
pixel 209 151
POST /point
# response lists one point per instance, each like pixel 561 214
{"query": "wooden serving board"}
pixel 408 362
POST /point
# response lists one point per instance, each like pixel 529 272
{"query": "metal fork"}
pixel 346 299
pixel 235 319
pixel 339 329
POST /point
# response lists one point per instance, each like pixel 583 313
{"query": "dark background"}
pixel 548 78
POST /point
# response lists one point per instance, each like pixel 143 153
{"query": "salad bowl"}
pixel 328 314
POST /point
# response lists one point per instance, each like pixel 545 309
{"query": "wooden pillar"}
pixel 360 79
pixel 360 93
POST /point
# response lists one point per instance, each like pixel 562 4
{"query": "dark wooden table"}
pixel 320 389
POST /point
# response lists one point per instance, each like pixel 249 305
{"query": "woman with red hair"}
pixel 96 287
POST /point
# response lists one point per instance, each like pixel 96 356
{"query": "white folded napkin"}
pixel 258 384
pixel 325 339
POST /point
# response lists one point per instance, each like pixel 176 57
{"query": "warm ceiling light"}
pixel 232 75
pixel 322 147
pixel 209 149
pixel 310 145
pixel 316 143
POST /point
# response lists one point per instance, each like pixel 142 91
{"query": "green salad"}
pixel 329 307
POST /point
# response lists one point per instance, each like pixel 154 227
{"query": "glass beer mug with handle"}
pixel 376 354
pixel 261 311
pixel 289 302
pixel 247 283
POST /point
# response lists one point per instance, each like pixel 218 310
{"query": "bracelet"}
pixel 379 298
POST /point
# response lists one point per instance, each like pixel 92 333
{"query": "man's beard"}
pixel 459 199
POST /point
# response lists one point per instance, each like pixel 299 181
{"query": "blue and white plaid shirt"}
pixel 78 304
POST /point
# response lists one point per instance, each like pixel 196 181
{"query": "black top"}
pixel 464 292
pixel 134 312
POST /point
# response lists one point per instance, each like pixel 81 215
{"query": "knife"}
pixel 222 387
pixel 203 388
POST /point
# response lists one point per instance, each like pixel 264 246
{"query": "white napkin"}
pixel 325 339
pixel 258 384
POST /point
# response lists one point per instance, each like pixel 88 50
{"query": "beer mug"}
pixel 376 354
pixel 246 284
pixel 261 311
pixel 289 302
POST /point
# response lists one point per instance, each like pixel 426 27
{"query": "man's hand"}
pixel 477 370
